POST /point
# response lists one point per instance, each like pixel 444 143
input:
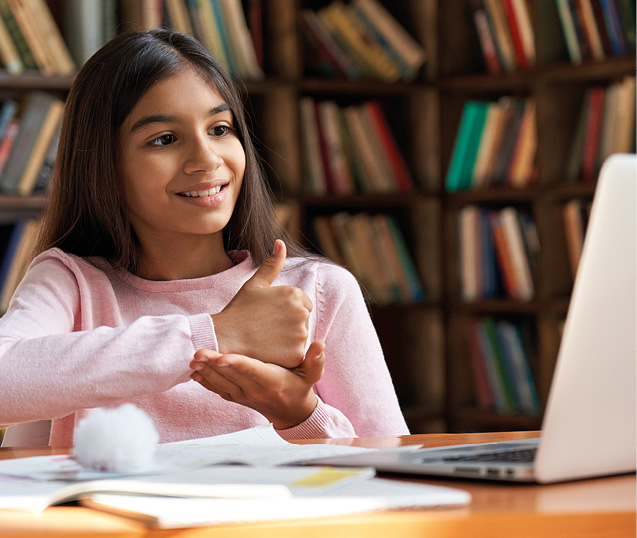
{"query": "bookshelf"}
pixel 425 340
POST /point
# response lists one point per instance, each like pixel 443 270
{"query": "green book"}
pixel 18 38
pixel 466 146
pixel 498 359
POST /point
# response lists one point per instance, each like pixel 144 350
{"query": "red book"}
pixel 487 42
pixel 593 134
pixel 484 393
pixel 325 157
pixel 392 151
pixel 514 29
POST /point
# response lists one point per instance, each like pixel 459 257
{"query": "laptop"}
pixel 588 427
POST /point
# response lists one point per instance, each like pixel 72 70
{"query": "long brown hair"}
pixel 86 213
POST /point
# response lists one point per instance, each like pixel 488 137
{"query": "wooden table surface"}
pixel 589 508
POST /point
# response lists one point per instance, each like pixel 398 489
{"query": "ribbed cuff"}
pixel 313 427
pixel 203 332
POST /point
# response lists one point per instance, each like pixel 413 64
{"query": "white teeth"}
pixel 209 192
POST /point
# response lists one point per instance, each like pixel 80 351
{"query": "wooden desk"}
pixel 590 508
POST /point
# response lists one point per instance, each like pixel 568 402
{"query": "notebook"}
pixel 588 427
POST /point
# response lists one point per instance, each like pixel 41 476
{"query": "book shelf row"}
pixel 606 125
pixel 499 251
pixel 17 241
pixel 350 149
pixel 29 132
pixel 374 248
pixel 359 40
pixel 597 29
pixel 496 142
pixel 499 352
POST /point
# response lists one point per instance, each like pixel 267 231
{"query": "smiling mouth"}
pixel 199 194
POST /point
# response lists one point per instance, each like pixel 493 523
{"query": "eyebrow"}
pixel 168 118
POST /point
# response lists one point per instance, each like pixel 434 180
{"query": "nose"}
pixel 202 157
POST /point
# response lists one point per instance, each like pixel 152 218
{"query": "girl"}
pixel 162 279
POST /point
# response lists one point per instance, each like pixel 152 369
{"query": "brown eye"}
pixel 163 140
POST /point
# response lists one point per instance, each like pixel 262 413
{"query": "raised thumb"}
pixel 269 269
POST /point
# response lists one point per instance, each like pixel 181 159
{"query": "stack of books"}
pixel 498 251
pixel 606 125
pixel 350 149
pixel 502 375
pixel 29 133
pixel 506 34
pixel 496 145
pixel 575 215
pixel 232 35
pixel 17 242
pixel 359 40
pixel 374 249
pixel 597 29
pixel 31 40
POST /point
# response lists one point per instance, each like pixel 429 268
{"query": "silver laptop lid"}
pixel 589 423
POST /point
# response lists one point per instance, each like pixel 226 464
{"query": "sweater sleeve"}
pixel 356 392
pixel 49 368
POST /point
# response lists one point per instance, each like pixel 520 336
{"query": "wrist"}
pixel 300 414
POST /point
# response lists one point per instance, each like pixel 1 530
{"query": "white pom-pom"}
pixel 122 439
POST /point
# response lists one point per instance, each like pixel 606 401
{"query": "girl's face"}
pixel 182 163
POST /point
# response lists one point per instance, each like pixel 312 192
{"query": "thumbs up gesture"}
pixel 269 323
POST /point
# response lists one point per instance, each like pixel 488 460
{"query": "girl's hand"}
pixel 285 397
pixel 266 322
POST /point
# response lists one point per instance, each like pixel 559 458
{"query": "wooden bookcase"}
pixel 425 343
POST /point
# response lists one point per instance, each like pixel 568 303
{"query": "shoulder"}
pixel 56 260
pixel 330 280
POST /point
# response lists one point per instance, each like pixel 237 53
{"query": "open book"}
pixel 244 476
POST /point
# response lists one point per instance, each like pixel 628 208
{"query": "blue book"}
pixel 615 31
pixel 10 250
pixel 7 113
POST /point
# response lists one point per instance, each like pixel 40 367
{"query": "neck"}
pixel 201 257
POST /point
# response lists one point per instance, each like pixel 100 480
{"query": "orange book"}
pixel 503 255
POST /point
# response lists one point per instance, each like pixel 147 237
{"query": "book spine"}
pixel 570 34
pixel 55 46
pixel 8 52
pixel 614 28
pixel 593 133
pixel 460 170
pixel 33 37
pixel 486 38
pixel 484 391
pixel 516 36
pixel 17 36
pixel 391 150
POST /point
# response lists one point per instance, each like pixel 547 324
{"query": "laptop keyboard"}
pixel 525 455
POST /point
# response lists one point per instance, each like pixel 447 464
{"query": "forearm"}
pixel 53 375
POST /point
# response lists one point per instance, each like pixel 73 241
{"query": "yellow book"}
pixel 33 37
pixel 40 148
pixel 48 30
pixel 376 61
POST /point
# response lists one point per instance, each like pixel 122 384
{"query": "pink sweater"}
pixel 76 337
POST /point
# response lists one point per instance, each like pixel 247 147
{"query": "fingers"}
pixel 314 362
pixel 269 269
